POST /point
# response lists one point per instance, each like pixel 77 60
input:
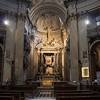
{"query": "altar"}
pixel 49 70
pixel 47 80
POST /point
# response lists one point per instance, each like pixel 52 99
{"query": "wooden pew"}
pixel 22 89
pixel 76 94
pixel 96 97
pixel 71 91
pixel 15 95
pixel 26 88
pixel 21 92
pixel 6 98
pixel 64 86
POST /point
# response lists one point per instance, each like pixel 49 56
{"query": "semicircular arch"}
pixel 36 12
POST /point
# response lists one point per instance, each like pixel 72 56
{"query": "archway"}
pixel 95 60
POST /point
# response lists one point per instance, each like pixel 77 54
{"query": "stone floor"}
pixel 42 94
pixel 41 99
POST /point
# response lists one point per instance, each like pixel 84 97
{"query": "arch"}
pixel 95 58
pixel 36 12
pixel 93 44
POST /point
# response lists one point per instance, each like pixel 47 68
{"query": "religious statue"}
pixel 49 64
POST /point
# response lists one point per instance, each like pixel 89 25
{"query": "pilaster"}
pixel 19 49
pixel 74 70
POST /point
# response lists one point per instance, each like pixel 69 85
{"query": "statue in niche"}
pixel 48 64
pixel 48 60
pixel 49 70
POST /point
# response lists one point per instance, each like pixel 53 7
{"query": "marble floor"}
pixel 42 95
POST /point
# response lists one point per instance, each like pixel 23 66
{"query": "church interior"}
pixel 49 49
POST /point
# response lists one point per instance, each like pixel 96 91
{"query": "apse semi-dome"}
pixel 48 20
pixel 41 12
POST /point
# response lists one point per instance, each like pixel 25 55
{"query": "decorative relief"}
pixel 85 60
pixel 73 16
pixel 35 2
pixel 48 20
pixel 60 2
pixel 8 58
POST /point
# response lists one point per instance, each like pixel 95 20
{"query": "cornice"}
pixel 7 5
pixel 88 5
pixel 11 6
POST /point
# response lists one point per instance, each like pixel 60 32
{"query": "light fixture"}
pixel 98 23
pixel 6 22
pixel 87 21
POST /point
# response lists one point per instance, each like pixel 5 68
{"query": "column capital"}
pixel 73 16
pixel 20 16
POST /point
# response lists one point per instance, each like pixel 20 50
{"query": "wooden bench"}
pixel 76 94
pixel 21 92
pixel 15 95
pixel 6 98
pixel 26 88
pixel 64 86
pixel 96 97
pixel 71 91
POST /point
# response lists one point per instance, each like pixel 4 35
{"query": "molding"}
pixel 83 7
pixel 14 7
pixel 96 41
pixel 7 5
pixel 88 5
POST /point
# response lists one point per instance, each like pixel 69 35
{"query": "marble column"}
pixel 42 62
pixel 9 44
pixel 83 42
pixel 60 61
pixel 57 61
pixel 39 60
pixel 35 67
pixel 19 49
pixel 74 75
pixel 31 67
pixel 54 63
pixel 63 63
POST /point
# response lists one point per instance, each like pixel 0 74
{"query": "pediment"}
pixel 49 45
